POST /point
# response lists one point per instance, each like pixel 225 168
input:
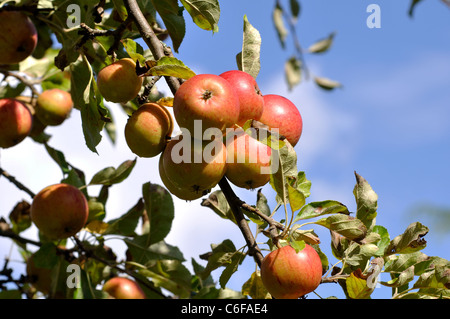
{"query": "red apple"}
pixel 287 274
pixel 53 106
pixel 248 161
pixel 280 113
pixel 147 130
pixel 123 288
pixel 16 122
pixel 119 82
pixel 18 37
pixel 209 98
pixel 59 211
pixel 251 100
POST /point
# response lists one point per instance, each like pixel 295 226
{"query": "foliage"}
pixel 70 57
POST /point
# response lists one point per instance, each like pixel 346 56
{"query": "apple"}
pixel 40 278
pixel 53 106
pixel 148 129
pixel 248 160
pixel 287 274
pixel 59 211
pixel 280 113
pixel 119 82
pixel 123 288
pixel 18 37
pixel 181 193
pixel 16 122
pixel 194 165
pixel 251 101
pixel 209 98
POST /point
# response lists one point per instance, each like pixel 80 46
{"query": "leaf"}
pixel 401 279
pixel 322 45
pixel 296 199
pixel 127 223
pixel 254 287
pixel 231 268
pixel 20 217
pixel 160 212
pixel 404 261
pixel 170 66
pixel 204 13
pixel 221 255
pixel 293 72
pixel 248 60
pixel 410 241
pixel 295 9
pixel 134 50
pixel 326 207
pixel 308 236
pixel 347 226
pixel 219 204
pixel 357 287
pixel 412 7
pixel 86 97
pixel 366 201
pixel 110 175
pixel 143 254
pixel 172 17
pixel 277 17
pixel 326 83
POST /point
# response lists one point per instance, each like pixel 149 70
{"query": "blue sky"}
pixel 389 122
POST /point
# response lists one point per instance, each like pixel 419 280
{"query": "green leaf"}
pixel 170 66
pixel 412 7
pixel 295 8
pixel 127 223
pixel 366 201
pixel 278 21
pixel 20 217
pixel 221 255
pixel 326 207
pixel 172 17
pixel 296 198
pixel 254 287
pixel 248 60
pixel 410 241
pixel 384 241
pixel 401 279
pixel 357 287
pixel 160 212
pixel 293 72
pixel 231 268
pixel 110 175
pixel 204 13
pixel 144 254
pixel 347 226
pixel 86 97
pixel 217 202
pixel 327 84
pixel 10 294
pixel 322 45
pixel 134 50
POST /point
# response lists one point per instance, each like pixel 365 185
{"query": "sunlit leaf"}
pixel 248 60
pixel 204 13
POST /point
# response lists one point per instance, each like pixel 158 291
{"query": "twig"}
pixel 147 90
pixel 28 83
pixel 13 180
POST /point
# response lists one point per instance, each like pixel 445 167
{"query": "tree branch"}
pixel 13 180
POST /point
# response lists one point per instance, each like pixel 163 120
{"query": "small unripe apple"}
pixel 195 165
pixel 287 274
pixel 147 130
pixel 209 98
pixel 119 82
pixel 251 101
pixel 18 37
pixel 40 278
pixel 53 106
pixel 16 122
pixel 59 211
pixel 280 113
pixel 248 161
pixel 181 193
pixel 123 288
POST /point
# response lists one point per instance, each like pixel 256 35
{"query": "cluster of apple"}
pixel 21 117
pixel 210 111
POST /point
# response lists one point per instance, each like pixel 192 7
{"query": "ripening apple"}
pixel 53 106
pixel 181 193
pixel 147 130
pixel 119 82
pixel 16 122
pixel 18 37
pixel 251 101
pixel 123 288
pixel 59 211
pixel 209 98
pixel 280 113
pixel 288 274
pixel 248 160
pixel 195 165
